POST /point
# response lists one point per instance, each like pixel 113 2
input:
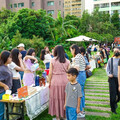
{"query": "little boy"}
pixel 73 95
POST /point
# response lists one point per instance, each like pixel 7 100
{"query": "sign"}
pixel 117 40
pixel 22 92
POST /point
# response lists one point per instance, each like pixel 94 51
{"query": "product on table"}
pixel 26 91
pixel 42 81
pixel 35 66
pixel 7 95
pixel 44 74
pixel 37 80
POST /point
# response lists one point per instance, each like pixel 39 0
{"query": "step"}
pixel 99 98
pixel 96 94
pixel 97 114
pixel 97 102
pixel 90 82
pixel 98 108
pixel 96 85
pixel 96 90
pixel 93 80
pixel 81 118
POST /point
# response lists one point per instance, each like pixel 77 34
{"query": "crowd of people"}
pixel 66 78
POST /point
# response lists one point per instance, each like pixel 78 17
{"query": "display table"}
pixel 34 104
pixel 37 103
pixel 21 108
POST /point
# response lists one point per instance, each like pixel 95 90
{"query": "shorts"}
pixel 71 113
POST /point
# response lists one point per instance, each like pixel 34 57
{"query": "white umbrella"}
pixel 81 38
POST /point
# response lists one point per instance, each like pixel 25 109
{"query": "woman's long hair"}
pixel 42 55
pixel 14 54
pixel 59 53
pixel 77 50
pixel 82 50
pixel 4 57
pixel 29 52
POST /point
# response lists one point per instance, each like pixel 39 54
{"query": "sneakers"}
pixel 54 119
pixel 80 115
pixel 83 112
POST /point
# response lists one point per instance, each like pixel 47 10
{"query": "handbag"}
pixel 111 69
pixel 88 73
pixel 105 60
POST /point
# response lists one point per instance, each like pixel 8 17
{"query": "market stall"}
pixel 34 104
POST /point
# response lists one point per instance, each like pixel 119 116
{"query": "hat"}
pixel 21 45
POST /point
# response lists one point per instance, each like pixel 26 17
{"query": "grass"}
pixel 97 95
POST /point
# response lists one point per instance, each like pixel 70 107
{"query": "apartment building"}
pixel 51 6
pixel 107 5
pixel 72 7
pixel 87 5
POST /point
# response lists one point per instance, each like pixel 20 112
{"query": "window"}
pixel 20 4
pixel 50 3
pixel 50 12
pixel 10 5
pixel 119 12
pixel 33 4
pixel 59 2
pixel 15 5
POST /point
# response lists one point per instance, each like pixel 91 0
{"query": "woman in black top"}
pixel 113 74
pixel 5 78
pixel 119 75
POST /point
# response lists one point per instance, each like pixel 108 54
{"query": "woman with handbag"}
pixel 119 75
pixel 112 73
pixel 80 65
pixel 57 81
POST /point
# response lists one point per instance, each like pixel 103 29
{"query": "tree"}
pixel 85 22
pixel 107 38
pixel 94 35
pixel 62 27
pixel 116 20
pixel 4 15
pixel 36 42
pixel 29 22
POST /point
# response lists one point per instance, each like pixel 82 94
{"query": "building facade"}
pixel 51 6
pixel 107 5
pixel 87 5
pixel 72 7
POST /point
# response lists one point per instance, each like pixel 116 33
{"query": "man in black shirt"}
pixel 22 50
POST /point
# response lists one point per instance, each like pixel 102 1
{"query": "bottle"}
pixel 44 74
pixel 37 80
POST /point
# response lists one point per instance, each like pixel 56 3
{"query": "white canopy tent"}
pixel 81 38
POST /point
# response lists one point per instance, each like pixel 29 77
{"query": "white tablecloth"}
pixel 92 64
pixel 38 102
